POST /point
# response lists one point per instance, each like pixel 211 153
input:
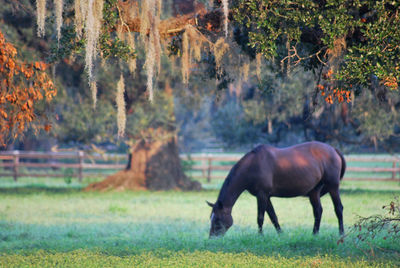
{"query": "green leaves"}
pixel 282 29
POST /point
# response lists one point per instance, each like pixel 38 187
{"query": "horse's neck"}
pixel 229 193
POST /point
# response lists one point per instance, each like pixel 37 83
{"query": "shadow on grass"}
pixel 358 191
pixel 127 239
pixel 39 188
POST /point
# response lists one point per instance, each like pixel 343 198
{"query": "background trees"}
pixel 274 78
pixel 354 41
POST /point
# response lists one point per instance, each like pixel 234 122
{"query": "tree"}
pixel 351 43
pixel 341 41
pixel 352 47
pixel 24 88
pixel 154 161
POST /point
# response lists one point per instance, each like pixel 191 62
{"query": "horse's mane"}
pixel 235 168
pixel 227 182
pixel 233 171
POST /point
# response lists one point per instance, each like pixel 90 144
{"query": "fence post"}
pixel 80 169
pixel 398 170
pixel 15 164
pixel 209 170
pixel 203 164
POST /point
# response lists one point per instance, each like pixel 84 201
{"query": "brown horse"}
pixel 309 169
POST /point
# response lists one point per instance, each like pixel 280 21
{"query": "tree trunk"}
pixel 154 165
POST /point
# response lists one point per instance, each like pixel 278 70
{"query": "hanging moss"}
pixel 220 48
pixel 93 89
pixel 79 16
pixel 225 8
pixel 93 26
pixel 58 4
pixel 121 115
pixel 132 60
pixel 41 17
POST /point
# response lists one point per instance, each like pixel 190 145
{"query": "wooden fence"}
pixel 58 164
pixel 210 166
pixel 374 167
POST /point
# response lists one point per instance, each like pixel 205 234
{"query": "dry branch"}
pixel 200 18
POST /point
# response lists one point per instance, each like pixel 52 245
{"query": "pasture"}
pixel 53 223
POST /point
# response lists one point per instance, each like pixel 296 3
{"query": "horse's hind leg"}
pixel 317 208
pixel 338 208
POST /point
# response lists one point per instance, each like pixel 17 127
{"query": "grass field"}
pixel 52 223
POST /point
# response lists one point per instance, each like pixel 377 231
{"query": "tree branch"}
pixel 200 18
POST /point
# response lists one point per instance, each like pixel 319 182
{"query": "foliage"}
pixel 110 45
pixel 387 224
pixel 377 120
pixel 352 41
pixel 285 109
pixel 265 112
pixel 145 120
pixel 187 165
pixel 277 98
pixel 376 227
pixel 24 86
pixel 78 123
pixel 230 126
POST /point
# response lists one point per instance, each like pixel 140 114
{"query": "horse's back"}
pixel 295 170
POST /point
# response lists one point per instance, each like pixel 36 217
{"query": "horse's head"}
pixel 221 219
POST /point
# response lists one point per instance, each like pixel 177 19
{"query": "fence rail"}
pixel 81 163
pixel 210 166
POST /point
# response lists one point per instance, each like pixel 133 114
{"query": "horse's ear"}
pixel 210 204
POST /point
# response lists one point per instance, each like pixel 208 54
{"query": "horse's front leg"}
pixel 264 204
pixel 272 215
pixel 261 207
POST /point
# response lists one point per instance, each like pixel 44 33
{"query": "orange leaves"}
pixel 340 95
pixel 22 86
pixel 321 88
pixel 40 65
pixel 329 99
pixel 331 92
pixel 328 75
pixel 11 49
pixel 27 71
pixel 3 114
pixel 391 82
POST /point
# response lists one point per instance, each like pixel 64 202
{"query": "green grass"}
pixel 45 225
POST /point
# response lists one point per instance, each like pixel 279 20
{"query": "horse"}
pixel 310 169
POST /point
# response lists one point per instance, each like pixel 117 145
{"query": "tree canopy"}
pixel 351 46
pixel 351 42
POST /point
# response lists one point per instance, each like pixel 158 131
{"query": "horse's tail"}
pixel 343 163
